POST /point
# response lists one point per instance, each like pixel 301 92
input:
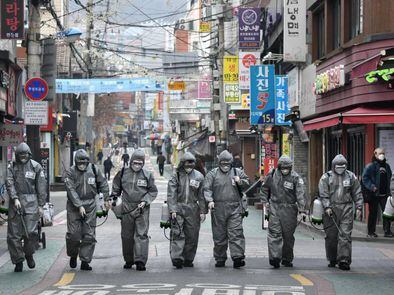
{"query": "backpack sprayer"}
pixel 389 209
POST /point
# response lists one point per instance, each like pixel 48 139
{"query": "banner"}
pixel 231 93
pixel 108 85
pixel 12 19
pixel 249 27
pixel 11 134
pixel 262 94
pixel 245 101
pixel 294 31
pixel 246 60
pixel 281 100
pixel 230 69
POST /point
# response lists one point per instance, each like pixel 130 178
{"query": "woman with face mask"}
pixel 339 189
pixel 138 190
pixel 376 180
pixel 186 205
pixel 221 192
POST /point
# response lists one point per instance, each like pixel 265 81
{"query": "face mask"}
pixel 188 170
pixel 340 169
pixel 24 158
pixel 82 166
pixel 285 171
pixel 381 157
pixel 225 167
pixel 136 166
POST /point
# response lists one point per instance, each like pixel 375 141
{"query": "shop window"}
pixel 356 151
pixel 334 146
pixel 319 31
pixel 336 23
pixel 356 17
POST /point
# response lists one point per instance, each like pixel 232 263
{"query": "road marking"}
pixel 66 279
pixel 303 280
pixel 387 252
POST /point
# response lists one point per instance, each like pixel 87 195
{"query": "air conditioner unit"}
pixel 183 25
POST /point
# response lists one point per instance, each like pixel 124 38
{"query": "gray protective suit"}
pixel 286 197
pixel 185 196
pixel 227 227
pixel 338 192
pixel 27 183
pixel 135 187
pixel 81 191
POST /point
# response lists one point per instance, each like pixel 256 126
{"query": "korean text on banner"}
pixel 10 134
pixel 294 31
pixel 281 100
pixel 12 19
pixel 246 60
pixel 231 93
pixel 249 27
pixel 262 94
pixel 36 113
pixel 230 69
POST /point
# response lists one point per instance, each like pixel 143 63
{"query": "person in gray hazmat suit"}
pixel 224 201
pixel 338 190
pixel 187 207
pixel 138 190
pixel 83 182
pixel 27 188
pixel 283 193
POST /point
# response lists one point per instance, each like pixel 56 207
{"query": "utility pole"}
pixel 34 69
pixel 83 119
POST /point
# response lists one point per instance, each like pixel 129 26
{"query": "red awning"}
pixel 360 115
pixel 322 122
pixel 365 115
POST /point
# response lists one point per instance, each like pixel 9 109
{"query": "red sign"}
pixel 12 19
pixel 11 92
pixel 36 89
pixel 212 138
pixel 48 128
pixel 269 164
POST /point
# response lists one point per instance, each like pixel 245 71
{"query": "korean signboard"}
pixel 245 101
pixel 262 94
pixel 12 19
pixel 246 59
pixel 294 31
pixel 329 80
pixel 281 100
pixel 10 134
pixel 44 161
pixel 231 93
pixel 230 69
pixel 204 90
pixel 205 27
pixel 249 27
pixel 36 113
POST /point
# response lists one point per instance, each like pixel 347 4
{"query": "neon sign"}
pixel 385 74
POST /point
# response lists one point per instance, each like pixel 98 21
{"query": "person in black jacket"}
pixel 108 165
pixel 376 179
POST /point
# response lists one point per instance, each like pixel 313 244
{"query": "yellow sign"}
pixel 245 100
pixel 176 85
pixel 205 27
pixel 230 69
pixel 285 145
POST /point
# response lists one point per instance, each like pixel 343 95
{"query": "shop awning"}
pixel 322 122
pixel 364 115
pixel 360 115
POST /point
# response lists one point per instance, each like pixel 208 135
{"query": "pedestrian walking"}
pixel 160 161
pixel 83 182
pixel 224 201
pixel 238 162
pixel 376 180
pixel 100 157
pixel 125 159
pixel 339 189
pixel 186 204
pixel 283 193
pixel 108 165
pixel 138 190
pixel 27 189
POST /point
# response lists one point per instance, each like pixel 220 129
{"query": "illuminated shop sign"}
pixel 329 80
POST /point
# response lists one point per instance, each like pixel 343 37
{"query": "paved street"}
pixel 372 269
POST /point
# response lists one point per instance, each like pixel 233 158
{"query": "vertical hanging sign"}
pixel 262 94
pixel 281 100
pixel 294 31
pixel 12 19
pixel 249 27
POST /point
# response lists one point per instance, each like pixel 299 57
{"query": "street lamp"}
pixel 70 35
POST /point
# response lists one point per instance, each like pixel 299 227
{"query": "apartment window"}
pixel 320 33
pixel 336 23
pixel 355 14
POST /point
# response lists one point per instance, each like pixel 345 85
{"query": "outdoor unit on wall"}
pixel 183 25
